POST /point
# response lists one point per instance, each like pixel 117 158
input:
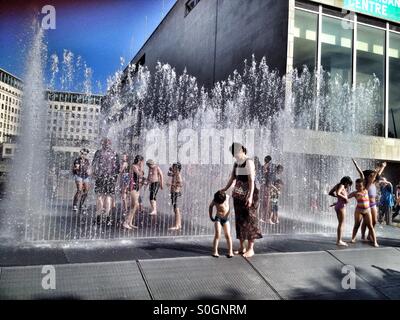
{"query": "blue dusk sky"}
pixel 100 32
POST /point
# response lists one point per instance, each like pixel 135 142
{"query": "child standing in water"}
pixel 363 211
pixel 371 177
pixel 221 221
pixel 176 193
pixel 124 180
pixel 274 198
pixel 136 182
pixel 155 180
pixel 340 191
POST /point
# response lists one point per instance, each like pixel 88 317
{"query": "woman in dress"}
pixel 245 199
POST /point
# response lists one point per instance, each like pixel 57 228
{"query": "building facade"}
pixel 357 40
pixel 354 45
pixel 73 117
pixel 73 122
pixel 10 119
pixel 11 102
pixel 211 38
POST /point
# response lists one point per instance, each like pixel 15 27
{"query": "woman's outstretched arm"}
pixel 232 179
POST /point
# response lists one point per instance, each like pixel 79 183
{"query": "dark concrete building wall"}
pixel 217 35
pixel 247 27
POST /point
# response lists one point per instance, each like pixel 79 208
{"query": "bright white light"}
pixel 362 46
pixel 311 35
pixel 346 43
pixel 328 38
pixel 394 53
pixel 378 49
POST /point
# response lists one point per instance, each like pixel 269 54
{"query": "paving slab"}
pixel 94 281
pixel 309 275
pixel 378 266
pixel 204 278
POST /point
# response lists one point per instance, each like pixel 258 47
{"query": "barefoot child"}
pixel 176 189
pixel 363 210
pixel 155 180
pixel 371 177
pixel 340 191
pixel 274 197
pixel 221 221
pixel 124 181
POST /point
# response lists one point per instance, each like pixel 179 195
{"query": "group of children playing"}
pixel 366 213
pixel 132 180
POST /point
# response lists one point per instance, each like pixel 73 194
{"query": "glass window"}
pixel 394 85
pixel 337 63
pixel 370 63
pixel 190 5
pixel 305 40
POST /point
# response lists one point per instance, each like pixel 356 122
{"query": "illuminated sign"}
pixel 384 9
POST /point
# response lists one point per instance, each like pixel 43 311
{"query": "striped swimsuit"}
pixel 372 195
pixel 362 202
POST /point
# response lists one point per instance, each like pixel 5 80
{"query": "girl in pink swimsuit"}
pixel 340 191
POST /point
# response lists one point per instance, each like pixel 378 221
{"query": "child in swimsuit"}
pixel 362 211
pixel 125 182
pixel 136 182
pixel 340 191
pixel 370 177
pixel 156 181
pixel 274 198
pixel 221 221
pixel 176 193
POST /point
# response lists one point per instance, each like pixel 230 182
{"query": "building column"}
pixel 319 67
pixel 290 45
pixel 290 54
pixel 387 80
pixel 355 52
